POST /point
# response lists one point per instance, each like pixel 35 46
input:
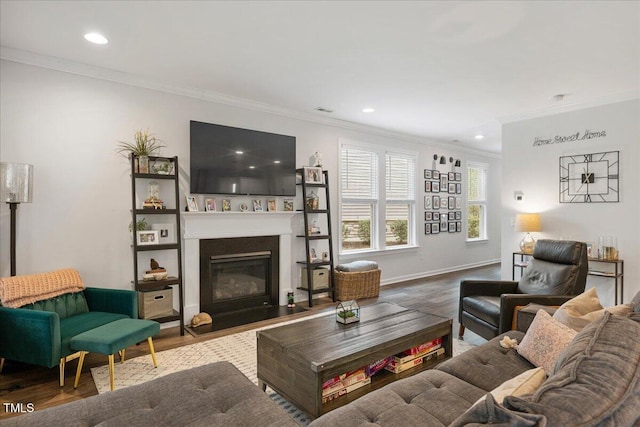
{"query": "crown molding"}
pixel 72 67
pixel 569 107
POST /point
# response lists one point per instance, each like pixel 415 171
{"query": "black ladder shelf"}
pixel 174 247
pixel 308 210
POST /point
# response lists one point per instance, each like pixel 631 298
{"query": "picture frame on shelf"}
pixel 271 205
pixel 192 204
pixel 257 205
pixel 313 175
pixel 243 207
pixel 166 233
pixel 147 237
pixel 210 205
pixel 427 174
pixel 226 205
pixel 288 205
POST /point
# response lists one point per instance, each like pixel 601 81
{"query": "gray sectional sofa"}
pixel 595 382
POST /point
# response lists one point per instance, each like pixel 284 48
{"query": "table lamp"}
pixel 528 222
pixel 16 186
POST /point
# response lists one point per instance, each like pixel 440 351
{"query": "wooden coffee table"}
pixel 295 359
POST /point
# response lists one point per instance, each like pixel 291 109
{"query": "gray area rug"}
pixel 239 349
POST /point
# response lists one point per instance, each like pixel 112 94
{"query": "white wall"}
pixel 535 171
pixel 67 126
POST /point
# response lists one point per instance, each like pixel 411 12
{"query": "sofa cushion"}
pixel 72 326
pixel 578 312
pixel 525 383
pixel 488 365
pixel 486 308
pixel 66 305
pixel 217 394
pixel 430 398
pixel 596 380
pixel 544 341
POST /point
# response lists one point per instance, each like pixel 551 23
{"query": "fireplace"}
pixel 238 273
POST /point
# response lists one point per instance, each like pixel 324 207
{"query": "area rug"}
pixel 239 349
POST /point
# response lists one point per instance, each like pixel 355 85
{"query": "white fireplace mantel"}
pixel 218 225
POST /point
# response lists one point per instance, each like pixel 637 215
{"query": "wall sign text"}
pixel 578 136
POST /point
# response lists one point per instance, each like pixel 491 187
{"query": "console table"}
pixel 597 267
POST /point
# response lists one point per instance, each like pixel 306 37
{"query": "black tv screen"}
pixel 228 160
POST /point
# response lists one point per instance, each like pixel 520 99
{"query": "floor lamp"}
pixel 16 186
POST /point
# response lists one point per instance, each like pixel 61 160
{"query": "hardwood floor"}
pixel 21 383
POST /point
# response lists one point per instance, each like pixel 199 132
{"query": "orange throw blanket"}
pixel 17 291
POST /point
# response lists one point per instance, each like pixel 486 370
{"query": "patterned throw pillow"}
pixel 544 341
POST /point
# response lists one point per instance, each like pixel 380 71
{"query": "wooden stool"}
pixel 113 338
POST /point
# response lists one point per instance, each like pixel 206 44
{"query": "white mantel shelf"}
pixel 217 225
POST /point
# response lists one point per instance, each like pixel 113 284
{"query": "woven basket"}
pixel 357 284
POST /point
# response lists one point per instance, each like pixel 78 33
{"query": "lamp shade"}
pixel 528 222
pixel 16 182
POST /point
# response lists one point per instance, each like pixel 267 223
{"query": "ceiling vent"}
pixel 324 110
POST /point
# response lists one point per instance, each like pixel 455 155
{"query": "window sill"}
pixel 387 251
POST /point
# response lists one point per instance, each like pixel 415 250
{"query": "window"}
pixel 477 201
pixel 377 198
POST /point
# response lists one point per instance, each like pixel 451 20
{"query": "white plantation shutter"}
pixel 359 174
pixel 400 177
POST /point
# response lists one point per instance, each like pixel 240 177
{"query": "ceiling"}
pixel 439 70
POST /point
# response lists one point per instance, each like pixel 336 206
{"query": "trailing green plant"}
pixel 364 231
pixel 141 225
pixel 146 144
pixel 399 230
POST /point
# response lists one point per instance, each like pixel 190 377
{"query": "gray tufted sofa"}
pixel 217 394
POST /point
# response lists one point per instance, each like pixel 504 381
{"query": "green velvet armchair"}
pixel 39 333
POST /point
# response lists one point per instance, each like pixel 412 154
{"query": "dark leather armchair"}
pixel 557 272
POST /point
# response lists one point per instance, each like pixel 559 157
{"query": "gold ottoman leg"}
pixel 112 375
pixel 153 353
pixel 79 370
pixel 121 353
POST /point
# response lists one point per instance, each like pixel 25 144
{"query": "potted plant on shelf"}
pixel 145 145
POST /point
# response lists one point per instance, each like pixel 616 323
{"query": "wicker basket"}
pixel 357 284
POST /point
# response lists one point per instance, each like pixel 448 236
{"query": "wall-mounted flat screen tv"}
pixel 229 160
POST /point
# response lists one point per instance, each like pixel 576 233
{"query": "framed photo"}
pixel 435 174
pixel 209 205
pixel 452 227
pixel 452 176
pixel 288 205
pixel 427 228
pixel 427 174
pixel 428 216
pixel 458 227
pixel 458 215
pixel 427 186
pixel 226 205
pixel 257 205
pixel 435 228
pixel 443 221
pixel 243 207
pixel 444 182
pixel 271 205
pixel 436 202
pixel 451 216
pixel 452 202
pixel 444 203
pixel 452 188
pixel 427 202
pixel 313 175
pixel 192 204
pixel 458 203
pixel 147 237
pixel 458 176
pixel 435 186
pixel 166 233
pixel 458 188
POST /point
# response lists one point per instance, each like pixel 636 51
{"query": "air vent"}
pixel 324 110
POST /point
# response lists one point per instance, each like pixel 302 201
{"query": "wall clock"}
pixel 590 178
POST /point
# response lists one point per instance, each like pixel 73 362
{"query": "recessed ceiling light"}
pixel 96 38
pixel 368 110
pixel 252 167
pixel 239 152
pixel 276 161
pixel 479 136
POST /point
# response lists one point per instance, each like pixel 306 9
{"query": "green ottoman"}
pixel 113 338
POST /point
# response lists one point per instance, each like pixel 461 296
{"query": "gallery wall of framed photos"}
pixel 442 202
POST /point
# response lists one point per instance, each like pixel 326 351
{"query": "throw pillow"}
pixel 578 312
pixel 544 341
pixel 596 380
pixel 525 383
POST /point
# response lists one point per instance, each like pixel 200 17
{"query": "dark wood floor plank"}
pixel 21 383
